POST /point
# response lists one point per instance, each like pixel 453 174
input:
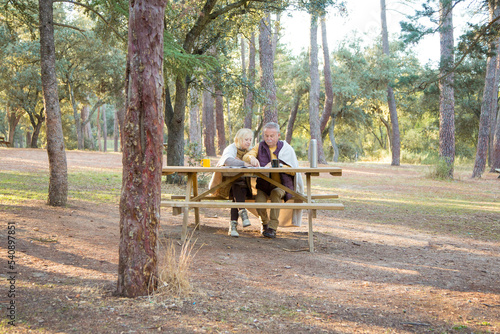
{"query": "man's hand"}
pixel 254 162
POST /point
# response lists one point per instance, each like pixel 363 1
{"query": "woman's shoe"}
pixel 232 229
pixel 244 217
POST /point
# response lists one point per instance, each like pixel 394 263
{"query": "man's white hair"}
pixel 271 125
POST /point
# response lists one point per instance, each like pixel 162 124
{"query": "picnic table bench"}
pixel 498 171
pixel 193 200
pixel 3 142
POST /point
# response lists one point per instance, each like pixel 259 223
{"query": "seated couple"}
pixel 239 154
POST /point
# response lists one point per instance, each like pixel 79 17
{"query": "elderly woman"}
pixel 240 189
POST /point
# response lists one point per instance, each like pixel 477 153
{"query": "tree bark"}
pixel 142 151
pixel 327 72
pixel 267 83
pixel 194 119
pixel 293 116
pixel 490 100
pixel 248 105
pixel 494 115
pixel 391 101
pixel 447 93
pixel 104 129
pixel 495 163
pixel 98 119
pixel 37 125
pixel 219 120
pixel 58 180
pixel 175 125
pixel 331 134
pixel 116 131
pixel 76 116
pixel 314 90
pixel 14 118
pixel 209 122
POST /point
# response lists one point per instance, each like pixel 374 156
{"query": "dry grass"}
pixel 173 273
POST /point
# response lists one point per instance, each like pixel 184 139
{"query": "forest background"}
pixel 227 88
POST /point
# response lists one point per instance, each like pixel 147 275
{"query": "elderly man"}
pixel 261 156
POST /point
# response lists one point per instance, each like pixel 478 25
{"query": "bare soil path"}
pixel 374 271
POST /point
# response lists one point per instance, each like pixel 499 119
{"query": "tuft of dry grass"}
pixel 173 272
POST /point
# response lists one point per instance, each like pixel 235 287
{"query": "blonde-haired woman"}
pixel 240 189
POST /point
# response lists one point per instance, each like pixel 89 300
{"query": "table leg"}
pixel 189 186
pixel 196 210
pixel 310 214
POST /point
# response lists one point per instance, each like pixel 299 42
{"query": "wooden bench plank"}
pixel 254 205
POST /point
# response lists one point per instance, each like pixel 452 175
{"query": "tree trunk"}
pixel 142 151
pixel 58 180
pixel 293 116
pixel 28 138
pixel 175 124
pixel 219 121
pixel 40 118
pixel 391 101
pixel 314 121
pixel 251 78
pixel 209 122
pixel 116 131
pixel 98 119
pixel 490 100
pixel 447 93
pixel 13 122
pixel 331 134
pixel 85 126
pixel 76 116
pixel 194 119
pixel 276 34
pixel 494 115
pixel 104 129
pixel 270 110
pixel 327 72
pixel 495 163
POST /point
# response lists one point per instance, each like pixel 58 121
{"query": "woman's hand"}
pixel 254 162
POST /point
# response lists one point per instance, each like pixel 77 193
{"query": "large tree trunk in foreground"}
pixel 142 151
pixel 447 92
pixel 267 83
pixel 391 101
pixel 58 181
pixel 490 101
pixel 314 121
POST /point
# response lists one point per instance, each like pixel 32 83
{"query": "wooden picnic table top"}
pixel 336 171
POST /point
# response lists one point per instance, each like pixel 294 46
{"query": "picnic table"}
pixel 3 142
pixel 192 198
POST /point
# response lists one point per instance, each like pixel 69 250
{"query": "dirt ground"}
pixel 364 277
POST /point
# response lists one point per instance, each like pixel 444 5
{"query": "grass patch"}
pixel 99 187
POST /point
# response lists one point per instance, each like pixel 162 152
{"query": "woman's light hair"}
pixel 271 125
pixel 240 135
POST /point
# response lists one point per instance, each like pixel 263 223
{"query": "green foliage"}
pixel 194 154
pixel 441 170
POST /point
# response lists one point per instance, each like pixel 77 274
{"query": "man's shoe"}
pixel 263 228
pixel 269 233
pixel 232 229
pixel 244 217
